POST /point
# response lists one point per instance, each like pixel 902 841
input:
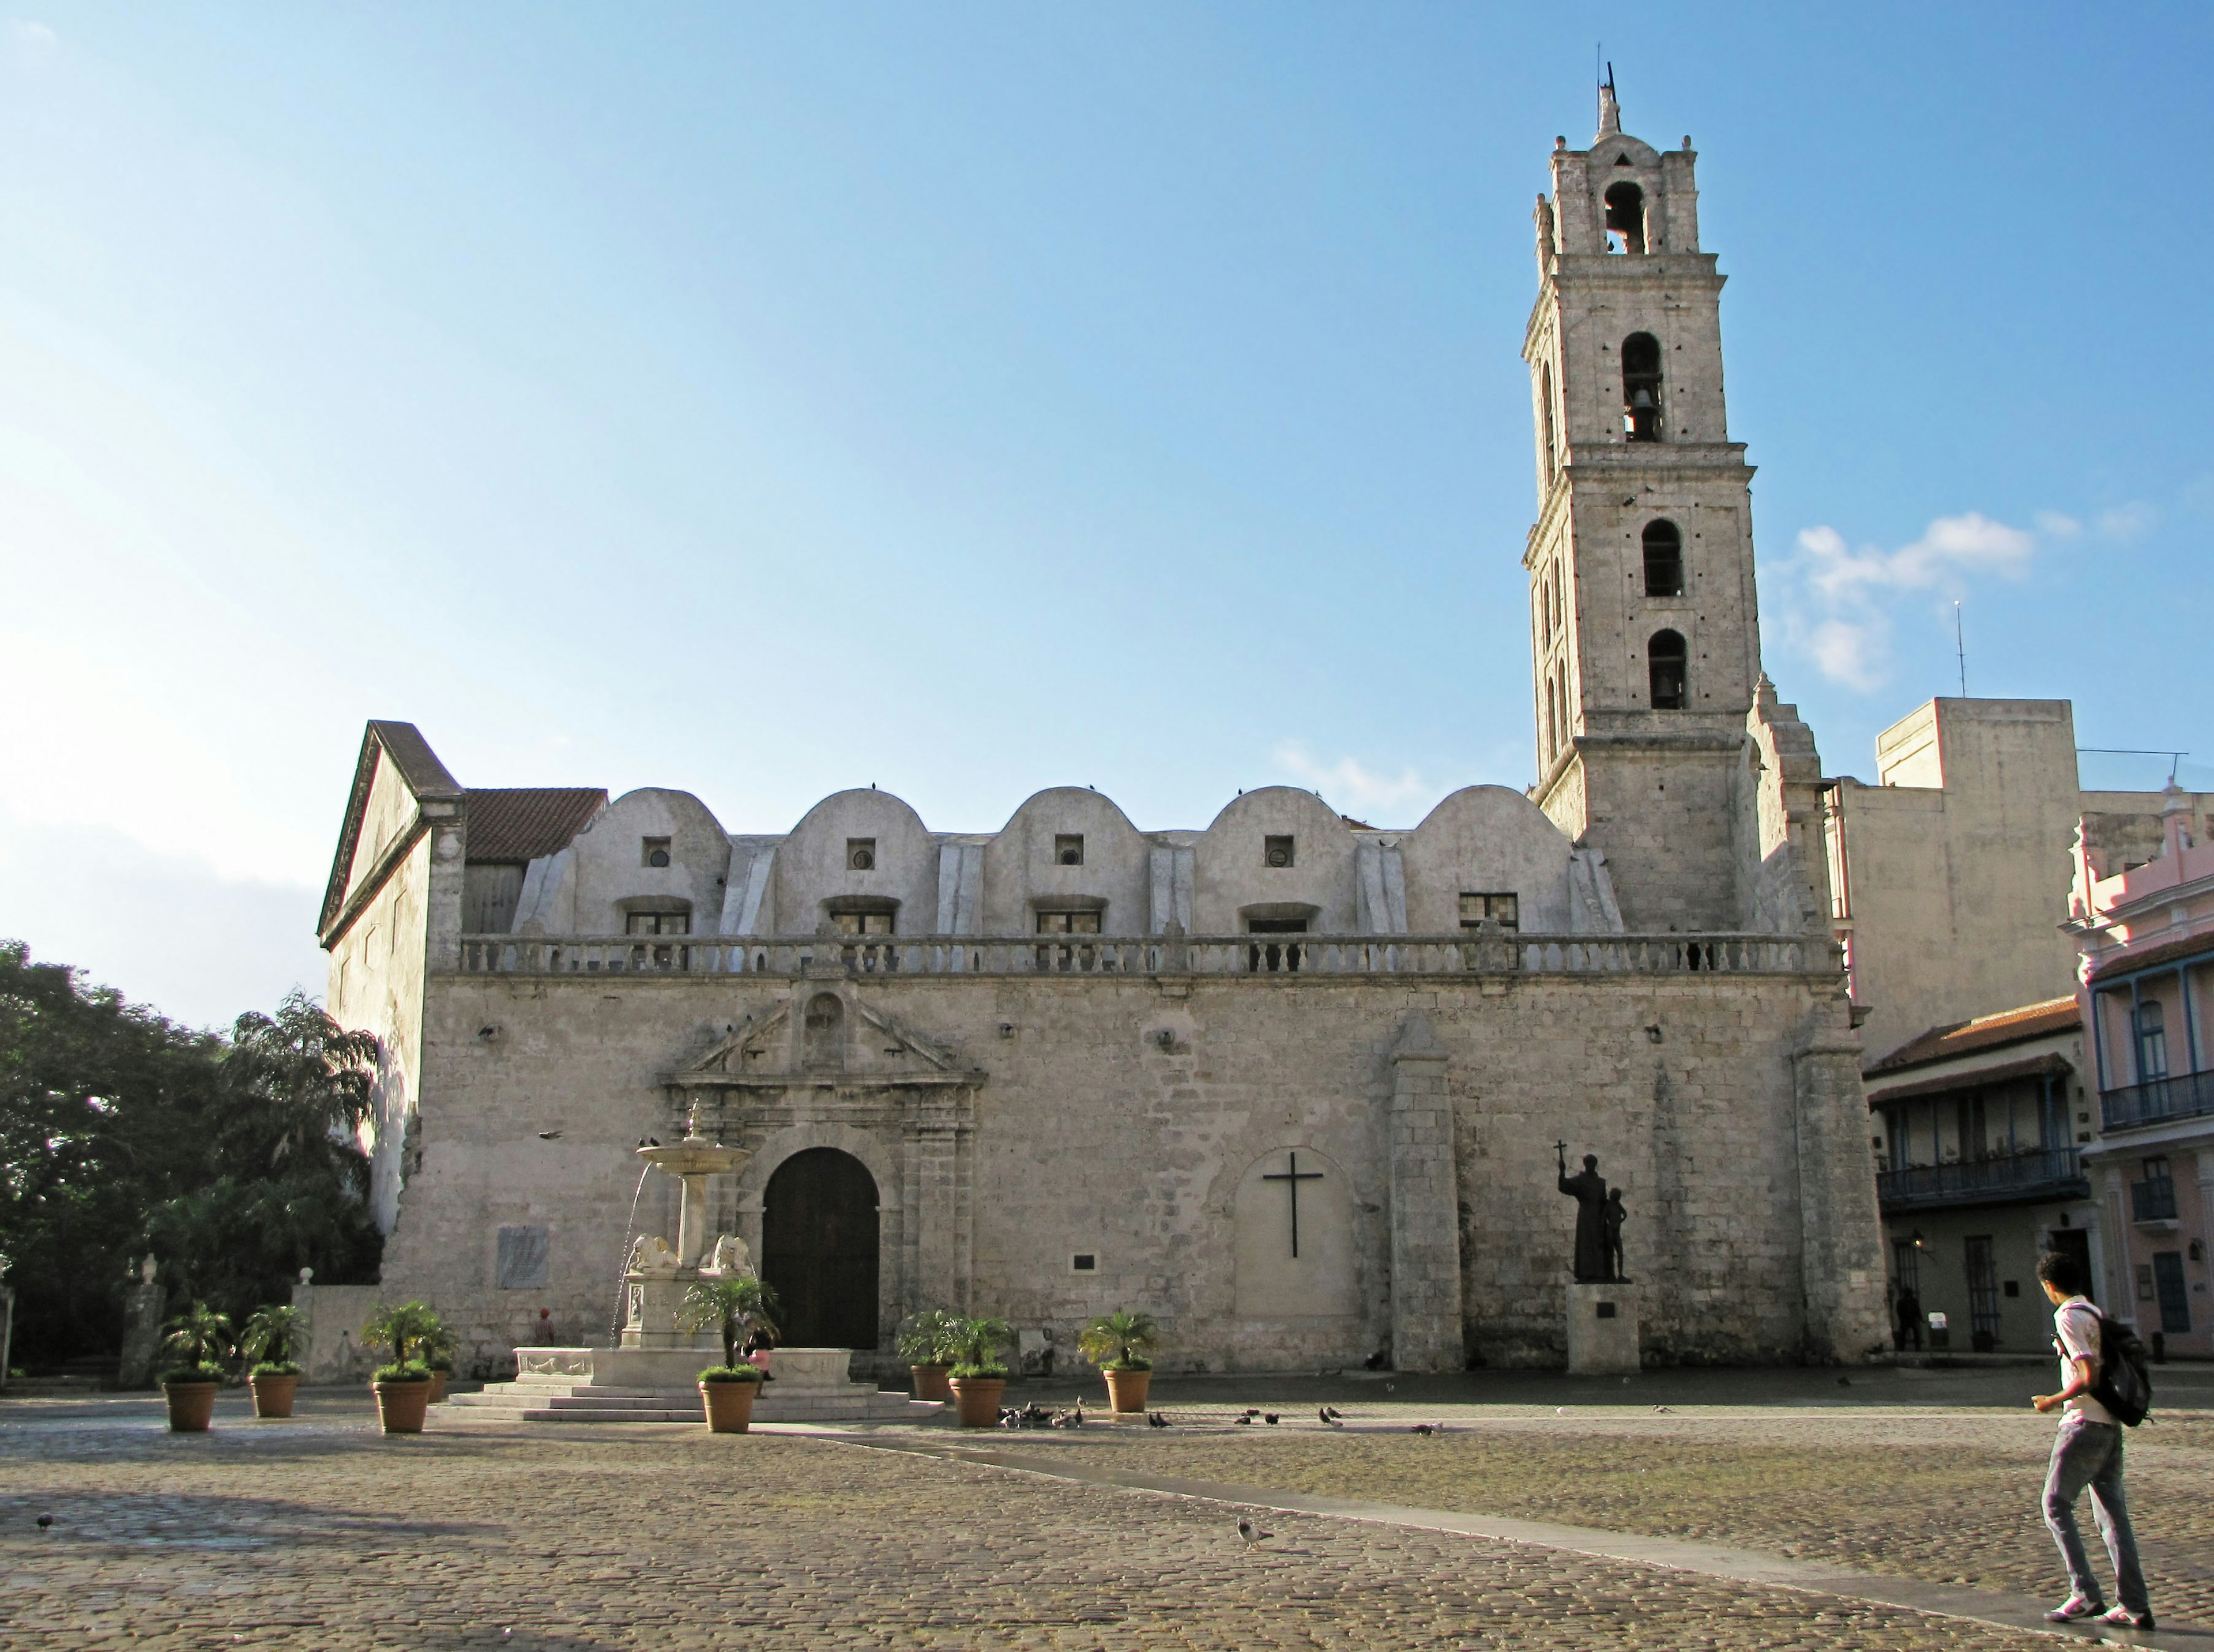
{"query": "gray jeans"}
pixel 2090 1453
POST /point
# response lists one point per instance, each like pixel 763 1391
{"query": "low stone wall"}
pixel 335 1314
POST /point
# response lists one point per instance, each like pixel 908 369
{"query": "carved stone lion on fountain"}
pixel 732 1260
pixel 651 1255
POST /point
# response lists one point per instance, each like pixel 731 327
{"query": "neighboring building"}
pixel 1978 1132
pixel 1291 1083
pixel 2144 920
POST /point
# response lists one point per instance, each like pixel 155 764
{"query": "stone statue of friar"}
pixel 1589 1189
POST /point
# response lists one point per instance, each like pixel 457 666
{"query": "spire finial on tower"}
pixel 1610 109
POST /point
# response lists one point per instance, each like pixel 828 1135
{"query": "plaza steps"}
pixel 541 1399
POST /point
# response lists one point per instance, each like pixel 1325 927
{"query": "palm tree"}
pixel 403 1330
pixel 270 1334
pixel 736 1308
pixel 1119 1341
pixel 199 1338
pixel 976 1345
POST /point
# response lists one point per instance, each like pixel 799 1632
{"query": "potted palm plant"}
pixel 403 1387
pixel 1118 1344
pixel 199 1341
pixel 437 1348
pixel 268 1342
pixel 925 1342
pixel 979 1377
pixel 736 1307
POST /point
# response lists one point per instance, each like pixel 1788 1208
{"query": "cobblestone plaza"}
pixel 319 1532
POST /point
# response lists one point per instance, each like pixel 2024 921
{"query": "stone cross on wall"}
pixel 1292 1178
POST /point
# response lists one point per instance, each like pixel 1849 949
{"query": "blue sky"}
pixel 973 398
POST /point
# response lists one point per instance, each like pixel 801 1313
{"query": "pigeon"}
pixel 1390 1388
pixel 549 1134
pixel 44 1521
pixel 1245 1422
pixel 1560 1410
pixel 1666 1410
pixel 1331 1410
pixel 1157 1419
pixel 1269 1418
pixel 1253 1410
pixel 653 1141
pixel 1250 1534
pixel 1324 1417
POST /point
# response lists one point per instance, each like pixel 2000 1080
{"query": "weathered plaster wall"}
pixel 376 982
pixel 1121 1118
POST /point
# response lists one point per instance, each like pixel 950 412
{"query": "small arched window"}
pixel 1640 386
pixel 822 1032
pixel 1664 560
pixel 1552 717
pixel 1545 421
pixel 1625 218
pixel 1665 665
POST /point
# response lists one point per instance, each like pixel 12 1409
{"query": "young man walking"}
pixel 2088 1450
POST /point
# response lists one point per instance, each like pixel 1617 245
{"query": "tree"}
pixel 736 1308
pixel 199 1341
pixel 1119 1341
pixel 233 1159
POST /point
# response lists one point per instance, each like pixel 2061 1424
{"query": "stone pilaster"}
pixel 938 1238
pixel 1426 1302
pixel 1841 1229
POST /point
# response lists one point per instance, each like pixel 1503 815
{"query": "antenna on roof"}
pixel 1960 648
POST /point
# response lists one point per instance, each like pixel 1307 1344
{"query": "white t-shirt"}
pixel 2077 1321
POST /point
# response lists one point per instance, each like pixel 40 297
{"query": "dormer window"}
pixel 1498 912
pixel 1276 851
pixel 1068 849
pixel 1049 923
pixel 654 852
pixel 861 854
pixel 660 923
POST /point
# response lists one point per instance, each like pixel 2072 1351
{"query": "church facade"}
pixel 1296 1085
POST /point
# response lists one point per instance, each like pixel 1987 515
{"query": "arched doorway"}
pixel 819 1249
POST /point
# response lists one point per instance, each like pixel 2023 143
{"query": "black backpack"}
pixel 2125 1384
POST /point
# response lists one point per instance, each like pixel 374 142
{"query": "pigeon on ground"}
pixel 1560 1410
pixel 549 1134
pixel 1249 1533
pixel 44 1521
pixel 1245 1422
pixel 1253 1410
pixel 1324 1417
pixel 1269 1418
pixel 1157 1419
pixel 1428 1428
pixel 1331 1410
pixel 1664 1410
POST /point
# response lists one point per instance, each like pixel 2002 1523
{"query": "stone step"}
pixel 582 1403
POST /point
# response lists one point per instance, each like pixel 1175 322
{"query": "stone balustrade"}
pixel 1288 957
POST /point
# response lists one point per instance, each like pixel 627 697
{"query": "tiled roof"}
pixel 2169 951
pixel 2035 1067
pixel 521 823
pixel 2033 1020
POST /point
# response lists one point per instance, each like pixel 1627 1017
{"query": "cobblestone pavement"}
pixel 321 1533
pixel 1946 1496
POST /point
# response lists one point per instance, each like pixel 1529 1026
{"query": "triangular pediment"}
pixel 398 781
pixel 857 1043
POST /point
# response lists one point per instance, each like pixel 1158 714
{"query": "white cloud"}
pixel 1837 605
pixel 1349 786
pixel 2127 521
pixel 2057 525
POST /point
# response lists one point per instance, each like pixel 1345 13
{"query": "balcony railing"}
pixel 2054 1171
pixel 1309 956
pixel 2153 1200
pixel 2157 1100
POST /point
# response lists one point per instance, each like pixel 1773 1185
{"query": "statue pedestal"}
pixel 650 1304
pixel 1602 1330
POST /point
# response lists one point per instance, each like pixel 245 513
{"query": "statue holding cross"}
pixel 1598 1239
pixel 1292 1178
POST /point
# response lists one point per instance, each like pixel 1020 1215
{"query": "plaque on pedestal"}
pixel 1602 1329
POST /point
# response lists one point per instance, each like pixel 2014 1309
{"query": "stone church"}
pixel 1292 1082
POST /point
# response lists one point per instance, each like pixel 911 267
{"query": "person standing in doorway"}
pixel 2088 1450
pixel 1910 1320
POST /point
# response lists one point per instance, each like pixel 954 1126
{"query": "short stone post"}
pixel 1426 1306
pixel 142 1306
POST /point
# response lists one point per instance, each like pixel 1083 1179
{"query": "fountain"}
pixel 648 1375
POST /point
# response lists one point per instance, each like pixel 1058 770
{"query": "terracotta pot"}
pixel 439 1384
pixel 191 1406
pixel 400 1405
pixel 1126 1390
pixel 978 1398
pixel 273 1395
pixel 930 1382
pixel 729 1406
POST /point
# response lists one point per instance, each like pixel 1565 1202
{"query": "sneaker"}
pixel 2122 1616
pixel 2074 1609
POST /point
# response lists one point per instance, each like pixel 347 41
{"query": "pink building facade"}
pixel 2145 933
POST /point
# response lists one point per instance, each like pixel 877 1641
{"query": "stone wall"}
pixel 1013 1124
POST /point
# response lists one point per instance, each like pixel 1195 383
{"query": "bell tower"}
pixel 1644 626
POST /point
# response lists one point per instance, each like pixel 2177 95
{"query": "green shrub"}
pixel 192 1374
pixel 410 1330
pixel 199 1338
pixel 401 1371
pixel 275 1368
pixel 732 1374
pixel 1119 1341
pixel 270 1333
pixel 926 1339
pixel 966 1368
pixel 975 1346
pixel 736 1308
